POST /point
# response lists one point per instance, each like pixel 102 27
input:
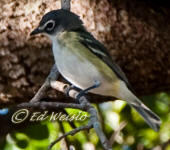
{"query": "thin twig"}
pixel 51 105
pixel 72 132
pixel 46 85
pixel 116 133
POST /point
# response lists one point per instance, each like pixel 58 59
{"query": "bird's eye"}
pixel 50 25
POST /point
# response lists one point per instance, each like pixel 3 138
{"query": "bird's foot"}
pixel 83 92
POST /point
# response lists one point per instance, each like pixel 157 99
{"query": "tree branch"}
pixel 86 127
pixel 50 105
pixel 94 122
pixel 84 105
pixel 46 85
pixel 65 4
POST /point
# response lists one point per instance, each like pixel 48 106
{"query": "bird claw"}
pixel 83 92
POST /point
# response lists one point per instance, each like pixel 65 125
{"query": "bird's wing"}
pixel 99 50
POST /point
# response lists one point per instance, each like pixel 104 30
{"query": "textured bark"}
pixel 136 33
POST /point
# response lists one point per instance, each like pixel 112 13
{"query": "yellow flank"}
pixel 116 89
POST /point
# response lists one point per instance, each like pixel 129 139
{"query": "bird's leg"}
pixel 82 92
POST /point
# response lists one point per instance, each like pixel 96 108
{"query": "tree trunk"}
pixel 136 33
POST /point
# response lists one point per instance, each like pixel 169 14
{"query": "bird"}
pixel 85 62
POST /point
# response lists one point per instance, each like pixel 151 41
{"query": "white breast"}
pixel 81 74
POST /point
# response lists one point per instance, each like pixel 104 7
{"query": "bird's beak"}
pixel 36 31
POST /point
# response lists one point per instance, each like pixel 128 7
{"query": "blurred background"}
pixel 137 35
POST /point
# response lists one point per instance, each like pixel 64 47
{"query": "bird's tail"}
pixel 150 117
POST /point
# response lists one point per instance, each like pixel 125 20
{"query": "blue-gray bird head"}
pixel 57 21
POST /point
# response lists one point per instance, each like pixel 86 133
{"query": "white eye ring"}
pixel 50 23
